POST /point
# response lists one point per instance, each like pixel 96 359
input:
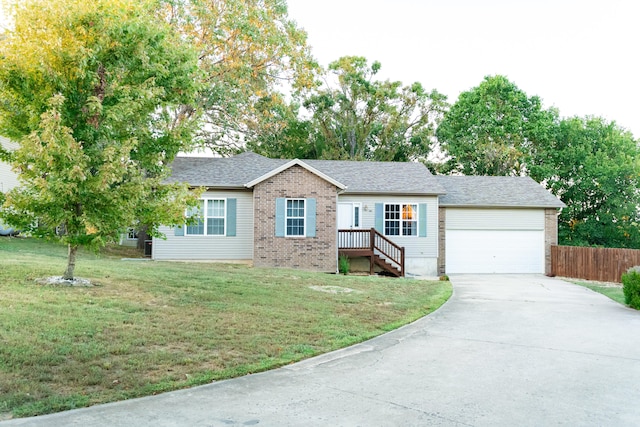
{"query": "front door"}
pixel 348 215
pixel 348 219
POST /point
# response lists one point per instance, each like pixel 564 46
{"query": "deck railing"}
pixel 369 243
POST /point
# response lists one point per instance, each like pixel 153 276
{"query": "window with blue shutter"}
pixel 401 219
pixel 295 217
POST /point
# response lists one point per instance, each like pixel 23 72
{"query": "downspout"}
pixel 340 191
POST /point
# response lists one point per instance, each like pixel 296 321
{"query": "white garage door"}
pixel 494 242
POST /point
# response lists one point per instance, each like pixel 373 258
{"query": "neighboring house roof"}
pixel 496 191
pixel 248 169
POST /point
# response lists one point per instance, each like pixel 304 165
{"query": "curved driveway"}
pixel 505 350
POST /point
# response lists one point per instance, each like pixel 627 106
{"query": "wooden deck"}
pixel 371 244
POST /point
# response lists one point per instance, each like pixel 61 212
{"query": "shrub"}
pixel 343 264
pixel 444 278
pixel 631 287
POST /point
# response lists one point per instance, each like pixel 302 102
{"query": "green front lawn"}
pixel 148 327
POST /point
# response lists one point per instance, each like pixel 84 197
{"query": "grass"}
pixel 150 327
pixel 613 292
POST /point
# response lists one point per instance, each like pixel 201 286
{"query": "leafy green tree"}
pixel 355 116
pixel 284 134
pixel 494 129
pixel 89 90
pixel 594 167
pixel 248 50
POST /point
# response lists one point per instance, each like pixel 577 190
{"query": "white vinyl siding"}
pixel 494 240
pixel 238 247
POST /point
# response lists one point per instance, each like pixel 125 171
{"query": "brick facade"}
pixel 550 236
pixel 319 253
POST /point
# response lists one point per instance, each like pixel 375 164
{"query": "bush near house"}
pixel 631 287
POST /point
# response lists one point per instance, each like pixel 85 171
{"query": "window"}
pixel 215 217
pixel 356 216
pixel 401 220
pixel 210 215
pixel 294 218
pixel 132 234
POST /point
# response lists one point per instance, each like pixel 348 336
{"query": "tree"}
pixel 355 116
pixel 284 134
pixel 248 51
pixel 88 90
pixel 494 129
pixel 594 167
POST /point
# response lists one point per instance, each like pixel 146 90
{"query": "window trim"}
pixel 303 217
pixel 205 218
pixel 414 206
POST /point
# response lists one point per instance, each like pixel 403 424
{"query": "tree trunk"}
pixel 71 262
pixel 142 236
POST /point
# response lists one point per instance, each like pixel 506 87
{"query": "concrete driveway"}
pixel 505 350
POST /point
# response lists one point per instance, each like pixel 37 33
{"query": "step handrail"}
pixel 375 242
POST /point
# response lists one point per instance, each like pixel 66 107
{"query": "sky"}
pixel 580 57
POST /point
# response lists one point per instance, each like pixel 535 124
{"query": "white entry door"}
pixel 348 215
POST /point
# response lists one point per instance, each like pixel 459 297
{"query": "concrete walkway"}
pixel 504 351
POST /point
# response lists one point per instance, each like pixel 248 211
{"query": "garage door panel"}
pixel 495 251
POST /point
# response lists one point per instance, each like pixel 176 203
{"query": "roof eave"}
pixel 493 206
pixel 395 193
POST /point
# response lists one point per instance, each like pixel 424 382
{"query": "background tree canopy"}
pixel 494 129
pixel 249 51
pixel 355 116
pixel 593 166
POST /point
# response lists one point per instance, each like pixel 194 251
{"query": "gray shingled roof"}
pixel 380 177
pixel 496 191
pixel 359 177
pixel 227 172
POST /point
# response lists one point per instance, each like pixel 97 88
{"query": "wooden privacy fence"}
pixel 603 264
